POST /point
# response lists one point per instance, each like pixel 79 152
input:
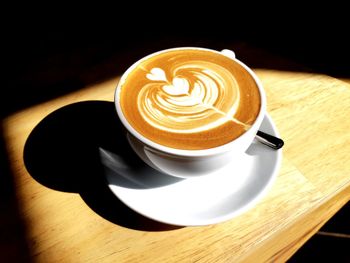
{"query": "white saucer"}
pixel 203 200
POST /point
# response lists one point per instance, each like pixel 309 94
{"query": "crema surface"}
pixel 190 99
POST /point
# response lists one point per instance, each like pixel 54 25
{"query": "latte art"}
pixel 190 99
pixel 195 97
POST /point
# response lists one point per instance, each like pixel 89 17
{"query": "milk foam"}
pixel 191 97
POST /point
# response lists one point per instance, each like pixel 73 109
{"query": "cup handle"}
pixel 228 53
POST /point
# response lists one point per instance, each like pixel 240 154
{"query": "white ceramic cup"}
pixel 190 163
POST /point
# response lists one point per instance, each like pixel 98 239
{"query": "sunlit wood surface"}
pixel 311 112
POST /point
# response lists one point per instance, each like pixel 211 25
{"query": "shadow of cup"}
pixel 63 152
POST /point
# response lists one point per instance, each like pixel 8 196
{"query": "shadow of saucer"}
pixel 63 152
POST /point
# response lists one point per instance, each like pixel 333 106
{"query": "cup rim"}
pixel 182 152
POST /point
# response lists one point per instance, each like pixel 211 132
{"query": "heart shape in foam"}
pixel 180 86
pixel 157 74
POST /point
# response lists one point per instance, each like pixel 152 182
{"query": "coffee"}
pixel 189 99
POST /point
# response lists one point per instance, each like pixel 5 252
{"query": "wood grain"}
pixel 311 112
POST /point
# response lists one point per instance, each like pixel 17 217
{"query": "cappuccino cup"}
pixel 190 111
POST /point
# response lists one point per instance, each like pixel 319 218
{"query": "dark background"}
pixel 46 56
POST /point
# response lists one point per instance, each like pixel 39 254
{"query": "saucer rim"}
pixel 230 215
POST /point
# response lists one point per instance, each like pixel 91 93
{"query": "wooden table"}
pixel 70 220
